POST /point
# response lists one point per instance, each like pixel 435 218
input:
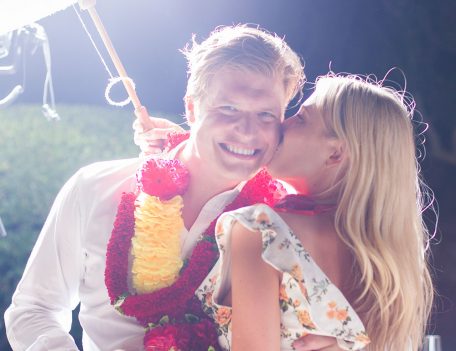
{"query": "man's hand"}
pixel 153 140
pixel 312 342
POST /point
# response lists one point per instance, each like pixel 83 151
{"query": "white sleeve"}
pixel 39 317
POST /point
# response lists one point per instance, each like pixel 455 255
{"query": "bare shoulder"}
pixel 245 240
pixel 246 254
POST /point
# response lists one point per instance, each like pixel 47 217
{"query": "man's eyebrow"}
pixel 222 99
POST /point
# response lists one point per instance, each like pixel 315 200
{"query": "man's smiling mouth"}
pixel 240 151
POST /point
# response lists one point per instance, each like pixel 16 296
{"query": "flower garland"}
pixel 164 300
pixel 155 246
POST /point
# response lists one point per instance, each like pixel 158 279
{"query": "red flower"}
pixel 175 138
pixel 205 335
pixel 174 300
pixel 162 178
pixel 261 189
pixel 166 179
pixel 185 336
pixel 118 247
pixel 163 338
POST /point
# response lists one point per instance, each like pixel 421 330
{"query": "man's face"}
pixel 236 125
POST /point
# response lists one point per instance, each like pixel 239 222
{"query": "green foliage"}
pixel 36 158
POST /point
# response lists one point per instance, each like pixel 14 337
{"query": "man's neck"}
pixel 204 184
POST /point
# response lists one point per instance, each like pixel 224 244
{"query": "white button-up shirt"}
pixel 67 265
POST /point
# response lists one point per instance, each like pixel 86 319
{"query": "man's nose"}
pixel 246 124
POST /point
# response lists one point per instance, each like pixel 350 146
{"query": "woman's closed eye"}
pixel 299 118
pixel 302 115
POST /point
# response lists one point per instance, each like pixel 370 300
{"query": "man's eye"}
pixel 227 109
pixel 268 116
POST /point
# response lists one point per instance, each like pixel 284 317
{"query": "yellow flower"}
pixel 296 303
pixel 341 314
pixel 331 314
pixel 223 316
pixel 305 320
pixel 303 289
pixel 363 338
pixel 332 304
pixel 208 299
pixel 155 246
pixel 263 218
pixel 296 273
pixel 218 228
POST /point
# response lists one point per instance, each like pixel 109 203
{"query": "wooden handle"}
pixel 140 111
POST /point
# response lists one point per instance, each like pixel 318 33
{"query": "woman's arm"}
pixel 316 343
pixel 255 294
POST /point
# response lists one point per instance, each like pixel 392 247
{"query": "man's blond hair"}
pixel 242 47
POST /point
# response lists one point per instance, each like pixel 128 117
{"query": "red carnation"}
pixel 204 335
pixel 185 337
pixel 261 189
pixel 164 338
pixel 162 178
pixel 175 138
pixel 116 256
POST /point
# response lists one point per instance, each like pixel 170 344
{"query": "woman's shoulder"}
pixel 280 247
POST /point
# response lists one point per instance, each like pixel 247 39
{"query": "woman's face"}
pixel 302 158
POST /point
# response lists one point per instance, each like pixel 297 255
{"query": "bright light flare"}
pixel 15 14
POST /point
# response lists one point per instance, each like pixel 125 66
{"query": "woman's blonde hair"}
pixel 380 205
pixel 242 47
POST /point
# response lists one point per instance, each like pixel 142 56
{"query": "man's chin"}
pixel 241 174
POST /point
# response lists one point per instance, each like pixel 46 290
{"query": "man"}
pixel 241 80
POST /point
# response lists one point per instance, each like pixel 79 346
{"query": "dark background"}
pixel 357 36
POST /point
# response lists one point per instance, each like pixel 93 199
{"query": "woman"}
pixel 358 253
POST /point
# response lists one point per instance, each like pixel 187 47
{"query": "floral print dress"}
pixel 309 302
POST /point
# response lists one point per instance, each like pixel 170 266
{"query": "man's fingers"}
pixel 151 139
pixel 166 124
pixel 157 133
pixel 151 151
pixel 156 122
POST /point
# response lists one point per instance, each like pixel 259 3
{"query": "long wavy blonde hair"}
pixel 380 205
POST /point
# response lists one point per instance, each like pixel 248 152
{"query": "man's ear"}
pixel 189 110
pixel 337 152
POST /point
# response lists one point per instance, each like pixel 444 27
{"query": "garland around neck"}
pixel 145 275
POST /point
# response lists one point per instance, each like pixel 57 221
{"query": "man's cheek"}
pixel 276 136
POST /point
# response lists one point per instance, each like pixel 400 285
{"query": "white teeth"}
pixel 240 151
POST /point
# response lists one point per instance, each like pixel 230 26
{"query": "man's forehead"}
pixel 228 83
pixel 232 89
